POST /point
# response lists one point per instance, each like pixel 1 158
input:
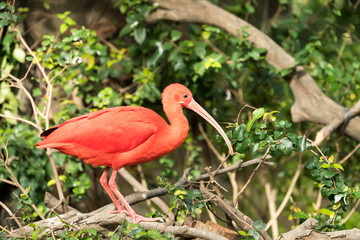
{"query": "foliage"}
pixel 223 72
pixel 135 231
pixel 183 201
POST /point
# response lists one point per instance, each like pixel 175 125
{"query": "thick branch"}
pixel 334 124
pixel 307 231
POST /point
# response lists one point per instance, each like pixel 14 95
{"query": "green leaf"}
pixel 301 215
pixel 206 34
pixel 357 194
pixel 62 16
pixel 236 132
pixel 92 231
pixel 325 173
pixel 283 124
pixel 325 165
pixel 327 212
pixel 259 225
pixel 250 124
pixel 293 138
pixel 337 166
pixel 277 134
pixel 258 113
pixel 242 133
pixel 4 22
pixel 3 5
pixel 35 234
pixel 241 147
pixel 336 12
pixel 63 28
pixel 175 35
pixel 46 4
pixel 254 234
pixel 302 144
pixel 140 35
pixel 286 146
pixel 36 92
pixel 51 182
pixel 19 54
pixel 140 234
pixel 153 233
pixel 243 233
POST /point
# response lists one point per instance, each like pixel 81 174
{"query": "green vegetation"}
pixel 75 70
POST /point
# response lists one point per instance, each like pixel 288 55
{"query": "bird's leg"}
pixel 136 218
pixel 103 181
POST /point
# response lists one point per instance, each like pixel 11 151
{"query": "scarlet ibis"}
pixel 127 135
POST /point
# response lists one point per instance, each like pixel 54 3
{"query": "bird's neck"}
pixel 179 125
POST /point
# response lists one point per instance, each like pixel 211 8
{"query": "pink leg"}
pixel 136 218
pixel 103 181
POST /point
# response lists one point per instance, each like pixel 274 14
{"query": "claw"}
pixel 111 189
pixel 138 218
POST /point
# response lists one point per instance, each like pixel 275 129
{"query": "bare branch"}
pixel 12 216
pixel 353 210
pixel 334 124
pixel 287 195
pixel 350 154
pixel 307 231
pixel 272 208
pixel 243 221
pixel 252 175
pixel 56 177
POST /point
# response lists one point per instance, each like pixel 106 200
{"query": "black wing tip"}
pixel 48 132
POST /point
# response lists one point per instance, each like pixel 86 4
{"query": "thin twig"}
pixel 45 116
pixel 351 212
pixel 318 200
pixel 287 195
pixel 252 174
pixel 231 174
pixel 209 143
pixel 7 181
pixel 12 216
pixel 272 208
pixel 57 180
pixel 347 157
pixel 18 84
pixel 22 120
pixel 245 106
pixel 334 124
pixel 317 147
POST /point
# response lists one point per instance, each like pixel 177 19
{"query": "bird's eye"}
pixel 185 95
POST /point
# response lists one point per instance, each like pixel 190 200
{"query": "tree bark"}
pixel 306 231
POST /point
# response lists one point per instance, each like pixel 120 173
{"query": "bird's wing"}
pixel 112 130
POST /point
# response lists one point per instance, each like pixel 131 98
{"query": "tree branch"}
pixel 243 221
pixel 334 124
pixel 307 231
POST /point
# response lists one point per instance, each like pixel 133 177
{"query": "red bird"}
pixel 129 135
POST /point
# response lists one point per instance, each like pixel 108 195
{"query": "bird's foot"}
pixel 137 218
pixel 119 211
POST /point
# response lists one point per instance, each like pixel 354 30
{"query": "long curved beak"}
pixel 193 105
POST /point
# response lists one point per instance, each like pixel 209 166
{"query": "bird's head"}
pixel 178 94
